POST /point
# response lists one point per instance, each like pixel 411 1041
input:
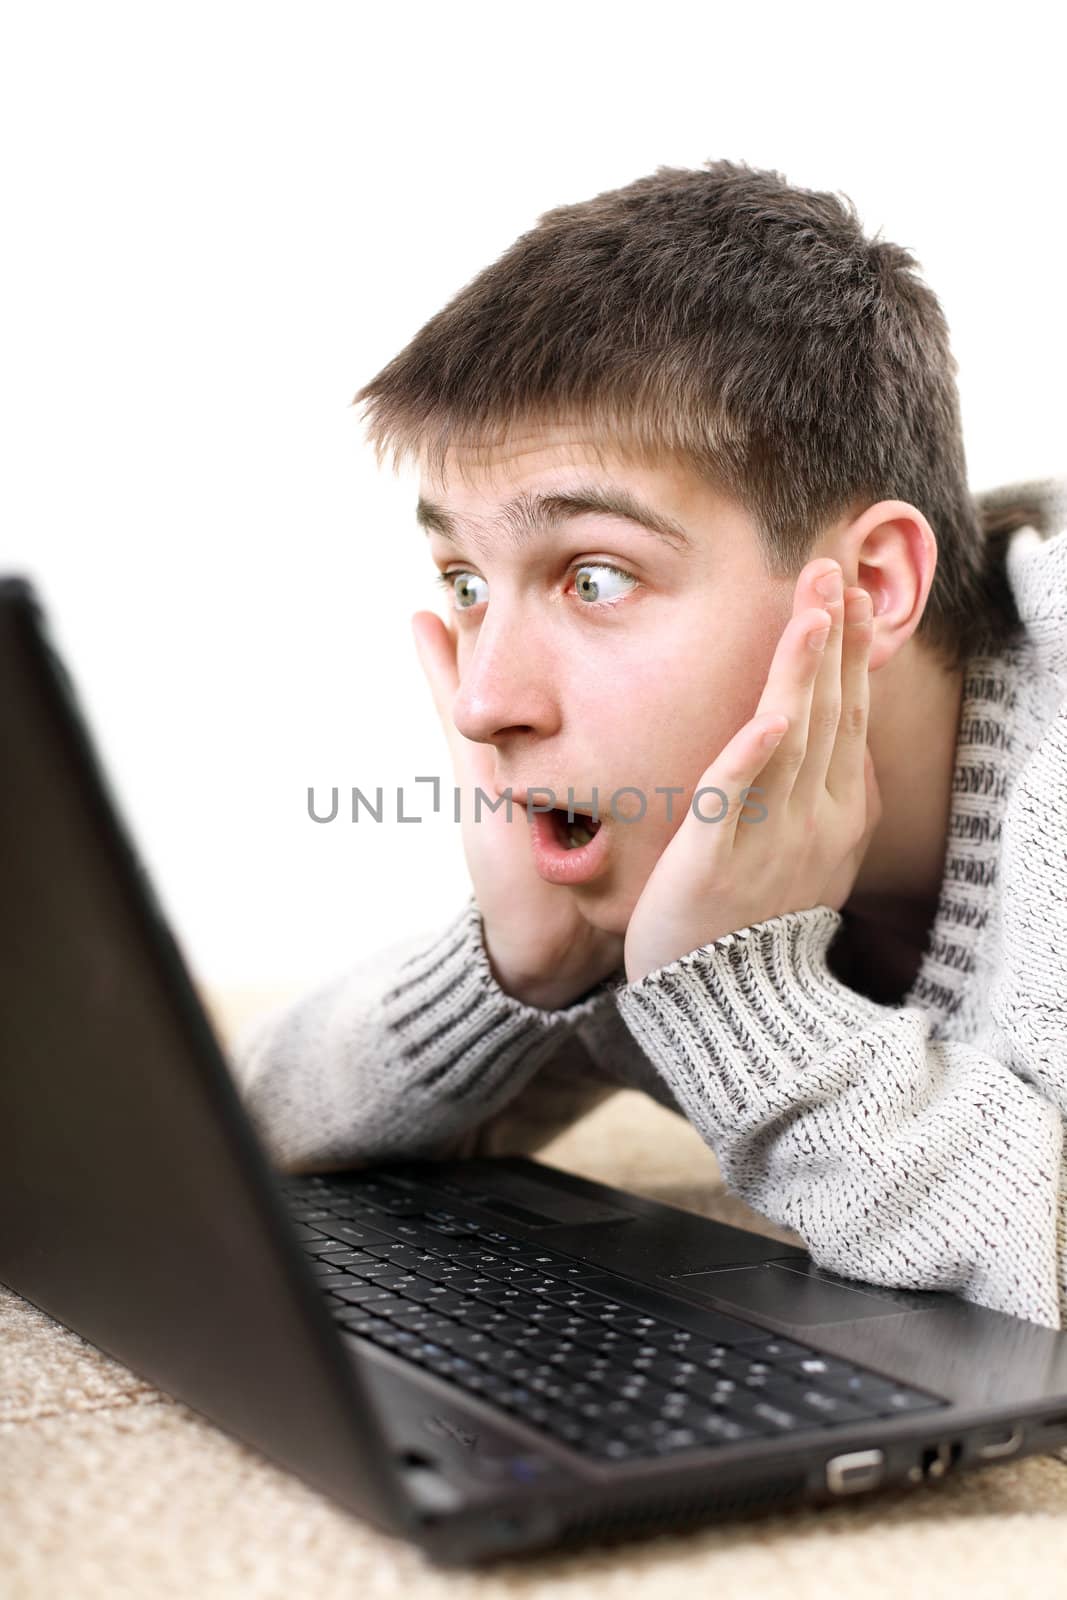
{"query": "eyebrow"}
pixel 528 514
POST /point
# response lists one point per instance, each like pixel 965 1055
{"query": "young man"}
pixel 645 436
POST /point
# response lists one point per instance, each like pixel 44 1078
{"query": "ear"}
pixel 894 551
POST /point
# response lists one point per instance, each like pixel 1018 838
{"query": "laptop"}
pixel 483 1357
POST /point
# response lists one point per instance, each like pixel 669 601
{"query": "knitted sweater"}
pixel 918 1145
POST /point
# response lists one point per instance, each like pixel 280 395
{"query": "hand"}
pixel 817 782
pixel 541 949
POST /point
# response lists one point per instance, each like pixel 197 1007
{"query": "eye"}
pixel 591 586
pixel 595 583
pixel 461 585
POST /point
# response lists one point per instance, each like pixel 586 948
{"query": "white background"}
pixel 220 219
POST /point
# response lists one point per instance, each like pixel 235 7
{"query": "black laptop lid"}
pixel 136 1204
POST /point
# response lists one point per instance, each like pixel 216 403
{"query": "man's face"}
pixel 594 679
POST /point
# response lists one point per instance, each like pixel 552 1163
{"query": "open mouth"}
pixel 573 834
pixel 570 851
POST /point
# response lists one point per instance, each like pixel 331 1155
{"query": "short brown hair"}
pixel 722 317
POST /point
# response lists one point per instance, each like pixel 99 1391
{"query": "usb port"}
pixel 937 1459
pixel 994 1442
pixel 859 1469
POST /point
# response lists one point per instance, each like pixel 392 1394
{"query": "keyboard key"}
pixel 398 1206
pixel 423 1292
pixel 360 1293
pixel 463 1280
pixel 601 1408
pixel 343 1256
pixel 675 1439
pixel 816 1368
pixel 499 1296
pixel 414 1317
pixel 554 1266
pixel 835 1408
pixel 505 1330
pixel 774 1419
pixel 778 1416
pixel 353 1210
pixel 446 1300
pixel 401 1284
pixel 868 1386
pixel 433 1324
pixel 631 1322
pixel 466 1340
pixel 370 1325
pixel 707 1354
pixel 482 1317
pixel 415 1233
pixel 580 1299
pixel 347 1316
pixel 722 1428
pixel 742 1370
pixel 394 1250
pixel 482 1259
pixel 353 1233
pixel 549 1346
pixel 772 1349
pixel 673 1341
pixel 570 1429
pixel 906 1400
pixel 667 1371
pixel 559 1322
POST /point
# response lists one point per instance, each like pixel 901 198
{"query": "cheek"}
pixel 660 717
pixel 686 711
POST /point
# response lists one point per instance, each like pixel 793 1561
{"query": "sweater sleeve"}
pixel 900 1159
pixel 415 1053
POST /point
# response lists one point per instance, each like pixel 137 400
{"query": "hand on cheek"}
pixel 805 754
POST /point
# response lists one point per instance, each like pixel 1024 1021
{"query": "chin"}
pixel 608 913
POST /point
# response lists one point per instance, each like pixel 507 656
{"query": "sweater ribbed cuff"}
pixel 731 1023
pixel 454 1020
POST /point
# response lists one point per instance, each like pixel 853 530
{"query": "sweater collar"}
pixel 985 763
pixel 981 781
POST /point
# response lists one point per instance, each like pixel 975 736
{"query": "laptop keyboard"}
pixel 510 1320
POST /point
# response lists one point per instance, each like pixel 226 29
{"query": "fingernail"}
pixel 829 586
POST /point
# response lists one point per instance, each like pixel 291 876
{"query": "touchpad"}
pixel 790 1296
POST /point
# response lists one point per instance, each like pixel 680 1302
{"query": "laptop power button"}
pixel 861 1469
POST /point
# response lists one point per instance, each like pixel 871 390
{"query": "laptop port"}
pixel 936 1460
pixel 994 1442
pixel 859 1469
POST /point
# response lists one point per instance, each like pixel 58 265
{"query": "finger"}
pixel 788 692
pixel 846 772
pixel 737 767
pixel 873 795
pixel 436 648
pixel 824 713
pixel 841 885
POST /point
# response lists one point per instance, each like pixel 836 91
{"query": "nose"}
pixel 505 686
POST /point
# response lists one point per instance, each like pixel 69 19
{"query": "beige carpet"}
pixel 109 1489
